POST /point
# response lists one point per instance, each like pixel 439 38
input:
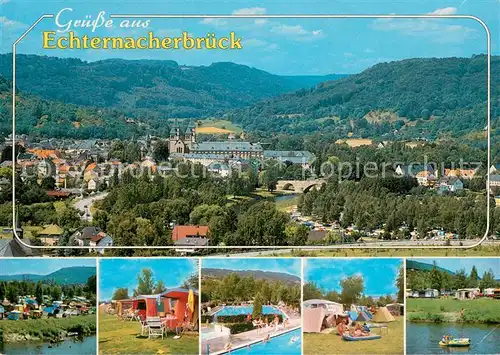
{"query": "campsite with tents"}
pixel 453 302
pixel 48 306
pixel 353 306
pixel 251 306
pixel 149 306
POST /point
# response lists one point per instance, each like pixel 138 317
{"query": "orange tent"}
pixel 171 301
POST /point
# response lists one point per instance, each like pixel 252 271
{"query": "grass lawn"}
pixel 483 310
pixel 477 251
pixel 48 328
pixel 118 336
pixel 288 204
pixel 28 231
pixel 391 343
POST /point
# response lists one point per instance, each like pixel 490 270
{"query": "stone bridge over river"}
pixel 298 185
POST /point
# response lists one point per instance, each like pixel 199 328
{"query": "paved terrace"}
pixel 246 338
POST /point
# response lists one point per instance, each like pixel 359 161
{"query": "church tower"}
pixel 190 135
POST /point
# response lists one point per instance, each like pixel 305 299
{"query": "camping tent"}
pixel 383 315
pixel 313 319
pixel 175 299
pixel 353 315
pixel 363 317
pixel 330 307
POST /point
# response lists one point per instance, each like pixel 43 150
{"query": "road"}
pixel 84 205
pixel 389 244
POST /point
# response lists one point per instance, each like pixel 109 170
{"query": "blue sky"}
pixel 379 275
pixel 284 265
pixel 454 264
pixel 281 46
pixel 118 273
pixel 40 266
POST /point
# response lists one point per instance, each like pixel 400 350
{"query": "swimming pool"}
pixel 238 310
pixel 281 344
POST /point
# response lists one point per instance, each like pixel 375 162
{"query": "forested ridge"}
pixel 416 97
pixel 149 88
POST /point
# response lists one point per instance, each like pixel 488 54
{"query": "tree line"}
pixel 441 279
pixel 352 292
pixel 12 290
pixel 234 288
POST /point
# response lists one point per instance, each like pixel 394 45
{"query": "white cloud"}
pixel 6 22
pixel 4 1
pixel 216 22
pixel 444 11
pixel 258 43
pixel 437 30
pixel 260 21
pixel 297 32
pixel 250 11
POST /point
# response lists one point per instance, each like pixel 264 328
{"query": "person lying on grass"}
pixel 356 330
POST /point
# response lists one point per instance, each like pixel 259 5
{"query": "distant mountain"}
pixel 65 276
pixel 417 265
pixel 264 275
pixel 408 98
pixel 149 88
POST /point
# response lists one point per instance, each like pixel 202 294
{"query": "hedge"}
pixel 241 327
pixel 243 318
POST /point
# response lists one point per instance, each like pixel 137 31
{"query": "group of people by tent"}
pixel 355 323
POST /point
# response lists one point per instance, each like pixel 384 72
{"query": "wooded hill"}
pixel 257 274
pixel 417 97
pixel 149 88
pixel 64 276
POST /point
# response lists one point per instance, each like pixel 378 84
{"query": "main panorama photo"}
pixel 348 133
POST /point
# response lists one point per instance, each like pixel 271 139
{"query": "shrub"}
pixel 241 327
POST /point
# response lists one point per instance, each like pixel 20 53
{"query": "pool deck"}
pixel 247 338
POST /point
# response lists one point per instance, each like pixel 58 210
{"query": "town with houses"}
pixel 82 171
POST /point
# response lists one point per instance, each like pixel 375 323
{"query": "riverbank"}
pixel 53 329
pixel 483 310
pixel 118 336
pixel 392 342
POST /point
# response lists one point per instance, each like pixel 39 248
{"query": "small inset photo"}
pixel 453 305
pixel 353 306
pixel 148 306
pixel 48 306
pixel 251 306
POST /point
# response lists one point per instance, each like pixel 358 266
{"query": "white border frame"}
pixel 312 16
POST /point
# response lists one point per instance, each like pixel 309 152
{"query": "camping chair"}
pixel 144 326
pixel 156 328
pixel 185 326
pixel 135 316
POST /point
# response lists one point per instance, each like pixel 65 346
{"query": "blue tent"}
pixel 363 316
pixel 353 315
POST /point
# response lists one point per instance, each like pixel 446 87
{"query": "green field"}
pixel 47 329
pixel 119 336
pixel 390 343
pixel 483 310
pixel 477 251
pixel 215 126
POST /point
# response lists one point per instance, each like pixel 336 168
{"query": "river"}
pixel 285 197
pixel 85 346
pixel 423 338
